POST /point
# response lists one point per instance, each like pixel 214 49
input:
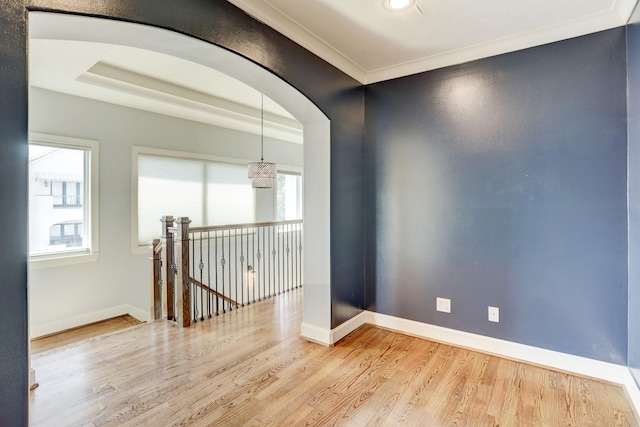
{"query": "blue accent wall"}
pixel 502 182
pixel 633 70
pixel 14 364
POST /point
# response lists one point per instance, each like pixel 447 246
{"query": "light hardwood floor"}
pixel 249 367
pixel 82 333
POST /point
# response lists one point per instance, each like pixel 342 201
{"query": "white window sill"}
pixel 57 260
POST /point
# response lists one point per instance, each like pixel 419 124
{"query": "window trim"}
pixel 136 150
pixel 90 203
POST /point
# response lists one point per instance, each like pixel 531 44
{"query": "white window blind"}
pixel 208 192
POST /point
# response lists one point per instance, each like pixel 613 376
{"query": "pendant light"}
pixel 262 173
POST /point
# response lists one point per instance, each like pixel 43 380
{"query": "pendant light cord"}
pixel 262 128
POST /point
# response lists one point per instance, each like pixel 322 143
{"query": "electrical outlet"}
pixel 494 314
pixel 443 305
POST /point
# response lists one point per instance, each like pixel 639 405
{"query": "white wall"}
pixel 67 296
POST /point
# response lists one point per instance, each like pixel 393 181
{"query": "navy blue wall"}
pixel 13 215
pixel 503 182
pixel 633 70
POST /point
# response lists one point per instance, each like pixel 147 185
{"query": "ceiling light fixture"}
pixel 262 173
pixel 398 5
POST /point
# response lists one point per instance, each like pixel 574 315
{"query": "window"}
pixel 62 197
pixel 288 196
pixel 67 233
pixel 66 194
pixel 207 190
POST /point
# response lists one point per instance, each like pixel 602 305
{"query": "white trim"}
pixel 632 391
pixel 32 379
pixel 141 315
pixel 316 239
pixel 624 9
pixel 569 363
pixel 87 318
pixel 511 350
pixel 347 327
pixel 60 259
pixel 299 34
pixel 330 337
pixel 516 42
pixel 617 16
pixel 315 334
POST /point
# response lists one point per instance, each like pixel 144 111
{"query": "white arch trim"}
pixel 316 254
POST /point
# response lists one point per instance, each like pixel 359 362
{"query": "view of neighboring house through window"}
pixel 67 194
pixel 288 196
pixel 58 212
pixel 208 191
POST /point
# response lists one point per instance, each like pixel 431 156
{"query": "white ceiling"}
pixel 155 82
pixel 371 44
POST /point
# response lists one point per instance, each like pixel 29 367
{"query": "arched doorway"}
pixel 317 313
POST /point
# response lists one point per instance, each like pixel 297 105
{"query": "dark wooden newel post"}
pixel 183 287
pixel 156 279
pixel 168 269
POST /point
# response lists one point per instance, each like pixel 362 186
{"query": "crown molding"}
pixel 282 23
pixel 624 9
pixel 551 34
pixel 617 16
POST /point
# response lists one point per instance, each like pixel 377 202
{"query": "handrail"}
pixel 213 291
pixel 247 225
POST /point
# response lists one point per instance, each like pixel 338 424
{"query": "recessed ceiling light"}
pixel 398 5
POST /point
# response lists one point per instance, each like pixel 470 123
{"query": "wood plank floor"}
pixel 82 333
pixel 249 367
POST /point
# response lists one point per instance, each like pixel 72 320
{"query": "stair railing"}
pixel 205 271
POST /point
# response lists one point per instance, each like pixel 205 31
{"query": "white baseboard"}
pixel 315 334
pixel 633 391
pixel 538 356
pixel 511 350
pixel 141 315
pixel 32 379
pixel 347 327
pixel 86 318
pixel 330 337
